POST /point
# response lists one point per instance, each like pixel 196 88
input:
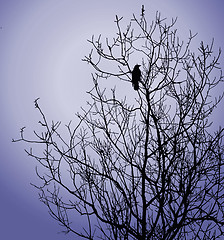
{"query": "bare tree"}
pixel 144 164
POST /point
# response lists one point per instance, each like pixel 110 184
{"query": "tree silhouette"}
pixel 139 164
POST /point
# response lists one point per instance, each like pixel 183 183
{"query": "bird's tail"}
pixel 136 86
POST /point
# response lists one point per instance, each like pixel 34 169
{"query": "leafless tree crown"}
pixel 140 164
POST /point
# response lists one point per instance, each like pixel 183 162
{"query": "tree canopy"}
pixel 142 164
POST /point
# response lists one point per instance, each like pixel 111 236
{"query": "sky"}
pixel 42 43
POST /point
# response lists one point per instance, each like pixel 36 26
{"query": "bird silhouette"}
pixel 136 75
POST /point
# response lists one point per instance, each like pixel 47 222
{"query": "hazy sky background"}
pixel 42 43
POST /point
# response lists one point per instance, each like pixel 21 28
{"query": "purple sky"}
pixel 42 43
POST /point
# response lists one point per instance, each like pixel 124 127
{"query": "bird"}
pixel 136 75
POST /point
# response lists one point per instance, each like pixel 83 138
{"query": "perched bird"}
pixel 136 75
